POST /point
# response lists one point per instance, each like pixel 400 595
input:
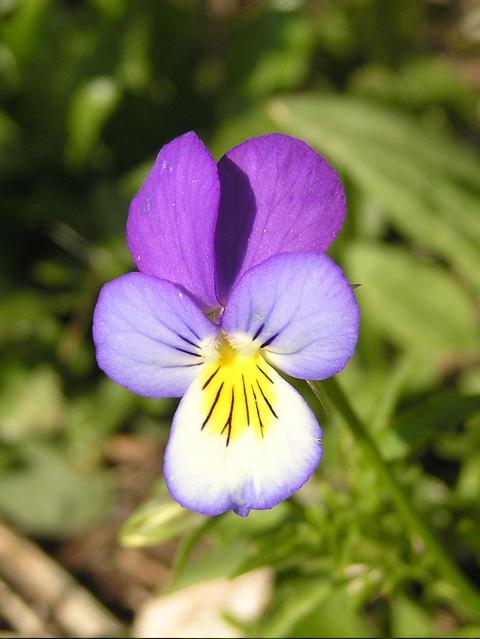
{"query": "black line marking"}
pixel 215 401
pixel 267 376
pixel 246 400
pixel 194 333
pixel 258 411
pixel 210 378
pixel 229 420
pixel 187 340
pixel 269 341
pixel 183 350
pixel 266 400
pixel 258 331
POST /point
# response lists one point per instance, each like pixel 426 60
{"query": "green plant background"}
pixel 388 91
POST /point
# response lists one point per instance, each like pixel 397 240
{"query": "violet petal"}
pixel 149 335
pixel 277 195
pixel 171 222
pixel 301 309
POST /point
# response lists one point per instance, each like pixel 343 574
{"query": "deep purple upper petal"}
pixel 148 333
pixel 171 222
pixel 301 309
pixel 277 195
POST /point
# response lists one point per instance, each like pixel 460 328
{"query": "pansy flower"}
pixel 233 284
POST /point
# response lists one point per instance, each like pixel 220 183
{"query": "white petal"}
pixel 235 456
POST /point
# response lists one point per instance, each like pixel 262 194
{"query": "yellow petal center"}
pixel 238 392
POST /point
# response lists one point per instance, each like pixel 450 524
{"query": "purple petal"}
pixel 149 335
pixel 301 309
pixel 252 471
pixel 277 195
pixel 171 222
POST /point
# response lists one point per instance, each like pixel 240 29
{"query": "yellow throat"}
pixel 237 392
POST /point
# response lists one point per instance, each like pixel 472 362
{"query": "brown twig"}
pixel 19 614
pixel 50 590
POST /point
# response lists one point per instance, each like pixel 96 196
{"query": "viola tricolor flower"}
pixel 233 284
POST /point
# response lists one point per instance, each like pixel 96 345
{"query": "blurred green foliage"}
pixel 89 91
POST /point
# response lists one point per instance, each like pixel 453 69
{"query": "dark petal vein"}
pixel 210 378
pixel 264 373
pixel 258 410
pixel 266 400
pixel 246 400
pixel 215 401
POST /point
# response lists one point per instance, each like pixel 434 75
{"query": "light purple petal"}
pixel 253 471
pixel 277 195
pixel 171 222
pixel 149 335
pixel 301 309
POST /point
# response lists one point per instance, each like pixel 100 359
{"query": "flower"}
pixel 233 283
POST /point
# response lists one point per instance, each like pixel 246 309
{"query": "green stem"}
pixel 469 596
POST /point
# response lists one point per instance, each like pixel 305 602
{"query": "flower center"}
pixel 237 389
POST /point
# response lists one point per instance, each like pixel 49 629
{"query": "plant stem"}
pixel 469 596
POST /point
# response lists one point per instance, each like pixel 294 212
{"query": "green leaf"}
pixel 48 496
pixel 159 519
pixel 410 620
pixel 466 632
pixel 8 129
pixel 420 82
pixel 135 70
pixel 93 418
pixel 268 53
pixel 300 599
pixel 333 617
pixel 426 420
pixel 31 403
pixel 314 608
pixel 92 105
pixel 425 182
pixel 220 561
pixel 373 127
pixel 414 303
pixel 111 8
pixel 468 485
pixel 225 533
pixel 23 30
pixel 25 315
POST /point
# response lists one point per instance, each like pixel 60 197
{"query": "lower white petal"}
pixel 242 438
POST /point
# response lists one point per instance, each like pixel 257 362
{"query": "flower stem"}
pixel 467 594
